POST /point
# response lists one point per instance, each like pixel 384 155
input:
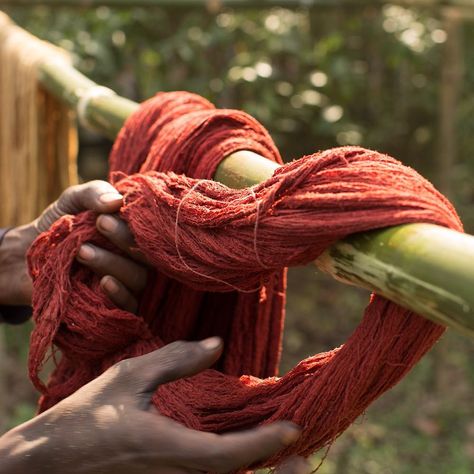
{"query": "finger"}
pixel 140 376
pixel 103 262
pixel 98 196
pixel 229 452
pixel 295 465
pixel 117 231
pixel 119 294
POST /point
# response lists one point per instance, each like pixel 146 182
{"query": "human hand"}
pixel 295 465
pixel 110 427
pixel 123 278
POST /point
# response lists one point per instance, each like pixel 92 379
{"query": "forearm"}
pixel 68 438
pixel 40 446
pixel 21 450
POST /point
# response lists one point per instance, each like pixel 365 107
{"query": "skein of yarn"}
pixel 219 257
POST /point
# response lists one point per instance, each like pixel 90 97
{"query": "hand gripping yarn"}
pixel 219 258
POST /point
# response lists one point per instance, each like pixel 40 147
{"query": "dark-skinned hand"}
pixel 110 427
pixel 122 278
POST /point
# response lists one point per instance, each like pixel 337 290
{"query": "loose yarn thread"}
pixel 176 239
pixel 306 206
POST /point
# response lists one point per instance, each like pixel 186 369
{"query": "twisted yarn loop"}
pixel 219 256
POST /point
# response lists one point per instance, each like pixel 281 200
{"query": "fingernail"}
pixel 108 223
pixel 86 252
pixel 290 435
pixel 110 197
pixel 109 285
pixel 212 343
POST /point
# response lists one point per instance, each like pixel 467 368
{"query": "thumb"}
pixel 141 376
pixel 98 196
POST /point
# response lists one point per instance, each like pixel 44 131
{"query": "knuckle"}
pixel 125 300
pixel 176 346
pixel 67 198
pixel 98 260
pixel 70 200
pixel 123 232
pixel 98 184
pixel 88 193
pixel 124 365
pixel 120 370
pixel 69 192
pixel 126 234
pixel 183 350
pixel 97 187
pixel 173 357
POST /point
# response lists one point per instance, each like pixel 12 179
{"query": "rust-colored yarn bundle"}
pixel 219 256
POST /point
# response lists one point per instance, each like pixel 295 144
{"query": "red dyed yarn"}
pixel 205 241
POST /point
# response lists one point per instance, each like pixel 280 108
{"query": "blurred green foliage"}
pixel 316 78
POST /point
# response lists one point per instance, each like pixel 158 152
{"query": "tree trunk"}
pixel 452 73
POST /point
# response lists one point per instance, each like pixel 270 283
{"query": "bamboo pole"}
pixel 216 4
pixel 423 267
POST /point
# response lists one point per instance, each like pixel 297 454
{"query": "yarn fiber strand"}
pixel 219 257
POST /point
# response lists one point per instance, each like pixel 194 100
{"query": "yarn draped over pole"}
pixel 219 256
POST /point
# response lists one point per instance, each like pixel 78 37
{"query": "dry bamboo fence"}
pixel 38 138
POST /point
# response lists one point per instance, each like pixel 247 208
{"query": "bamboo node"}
pixel 86 97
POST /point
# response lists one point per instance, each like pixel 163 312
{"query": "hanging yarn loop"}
pixel 205 242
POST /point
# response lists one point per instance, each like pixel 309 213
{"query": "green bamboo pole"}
pixel 216 4
pixel 426 268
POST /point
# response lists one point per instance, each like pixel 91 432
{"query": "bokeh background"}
pixel 395 78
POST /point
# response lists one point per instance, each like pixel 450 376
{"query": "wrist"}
pixel 24 450
pixel 15 283
pixel 47 443
pixel 17 240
